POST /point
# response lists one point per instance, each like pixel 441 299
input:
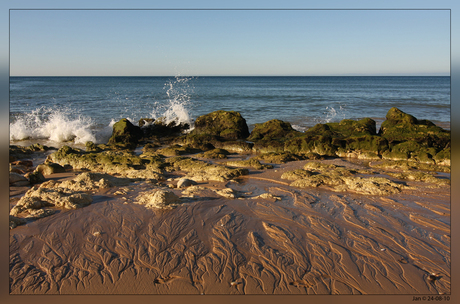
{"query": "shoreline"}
pixel 175 219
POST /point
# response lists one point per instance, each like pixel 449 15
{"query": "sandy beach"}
pixel 258 236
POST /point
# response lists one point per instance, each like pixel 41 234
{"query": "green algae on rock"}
pixel 406 165
pixel 419 176
pixel 252 162
pixel 50 168
pixel 400 127
pixel 202 171
pixel 353 128
pixel 125 133
pixel 274 129
pixel 121 162
pixel 281 157
pixel 229 125
pixel 214 154
pixel 296 174
pixel 176 150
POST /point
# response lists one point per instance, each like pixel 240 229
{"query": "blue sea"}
pixel 73 110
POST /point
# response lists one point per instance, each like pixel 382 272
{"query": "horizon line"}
pixel 339 75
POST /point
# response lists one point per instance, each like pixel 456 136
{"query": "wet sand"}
pixel 289 241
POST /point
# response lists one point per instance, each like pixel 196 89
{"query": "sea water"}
pixel 74 110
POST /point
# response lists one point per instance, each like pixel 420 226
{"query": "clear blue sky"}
pixel 229 42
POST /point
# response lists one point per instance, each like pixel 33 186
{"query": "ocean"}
pixel 72 110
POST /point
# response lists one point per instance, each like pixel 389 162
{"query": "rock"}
pixel 35 177
pixel 176 150
pixel 17 152
pixel 92 147
pixel 400 127
pixel 296 174
pixel 235 146
pixel 159 199
pixel 310 143
pixel 201 141
pixel 202 171
pixel 18 179
pixel 226 192
pixel 185 182
pixel 443 157
pixel 159 128
pixel 50 194
pixel 25 163
pixel 228 125
pixel 252 162
pixel 279 157
pixel 371 146
pixel 16 221
pixel 353 128
pixel 50 168
pixel 274 129
pixel 125 133
pixel 214 154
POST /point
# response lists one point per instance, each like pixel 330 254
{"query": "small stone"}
pixel 185 182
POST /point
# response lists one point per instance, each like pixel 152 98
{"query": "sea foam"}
pixel 58 125
pixel 178 103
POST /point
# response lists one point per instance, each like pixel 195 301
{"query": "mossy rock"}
pixel 152 128
pixel 268 146
pixel 229 125
pixel 321 129
pixel 176 150
pixel 328 169
pixel 201 141
pixel 124 163
pixel 279 157
pixel 316 181
pixel 401 127
pixel 202 171
pixel 92 147
pixel 296 174
pixel 18 152
pixel 214 154
pixel 274 129
pixel 150 148
pixel 353 128
pixel 235 146
pixel 443 157
pixel 390 155
pixel 319 144
pixel 50 168
pixel 361 144
pixel 125 133
pixel 252 162
pixel 419 176
pixel 406 165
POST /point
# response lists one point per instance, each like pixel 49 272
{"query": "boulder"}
pixel 50 168
pixel 35 177
pixel 353 128
pixel 125 133
pixel 274 129
pixel 162 199
pixel 400 127
pixel 160 128
pixel 228 125
pixel 185 182
pixel 17 179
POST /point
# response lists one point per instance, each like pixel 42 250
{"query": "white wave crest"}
pixel 58 125
pixel 178 107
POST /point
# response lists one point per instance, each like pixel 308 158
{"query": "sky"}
pixel 109 42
